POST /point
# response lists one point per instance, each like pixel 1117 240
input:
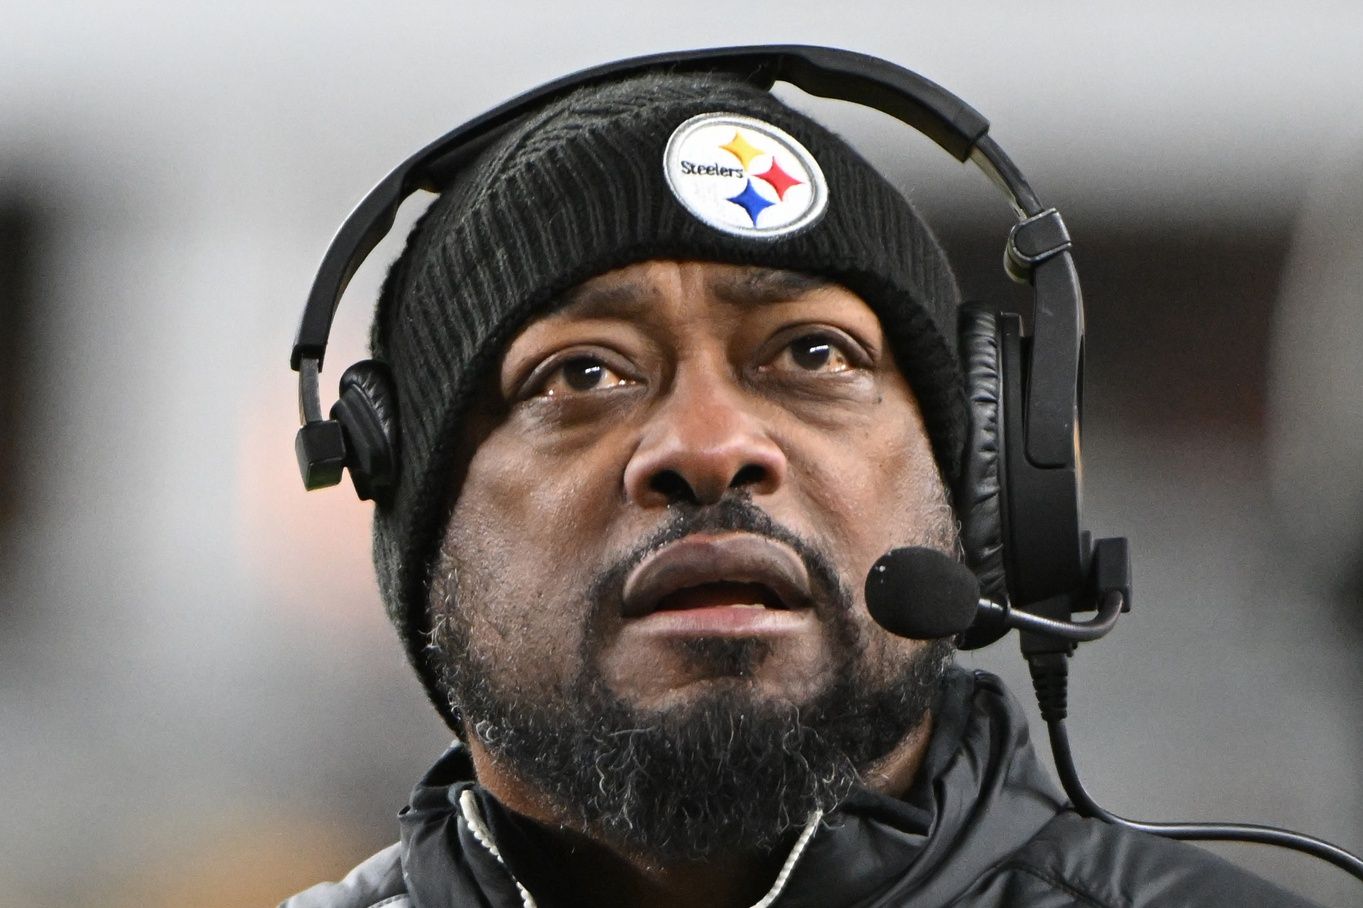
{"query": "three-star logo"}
pixel 744 176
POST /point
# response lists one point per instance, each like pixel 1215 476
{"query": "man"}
pixel 674 366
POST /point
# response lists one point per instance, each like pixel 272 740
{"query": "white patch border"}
pixel 818 203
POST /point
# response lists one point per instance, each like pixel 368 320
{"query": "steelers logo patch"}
pixel 743 176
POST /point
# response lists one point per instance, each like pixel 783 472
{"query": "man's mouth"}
pixel 704 571
pixel 713 595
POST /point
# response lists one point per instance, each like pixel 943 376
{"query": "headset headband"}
pixel 827 72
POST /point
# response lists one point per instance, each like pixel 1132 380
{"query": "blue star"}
pixel 751 202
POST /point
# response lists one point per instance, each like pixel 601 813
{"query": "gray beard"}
pixel 727 771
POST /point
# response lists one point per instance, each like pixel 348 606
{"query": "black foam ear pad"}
pixel 979 496
pixel 367 411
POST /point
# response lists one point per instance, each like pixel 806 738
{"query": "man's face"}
pixel 680 481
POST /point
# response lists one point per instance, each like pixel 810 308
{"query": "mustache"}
pixel 734 513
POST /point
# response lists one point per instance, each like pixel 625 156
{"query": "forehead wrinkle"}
pixel 760 286
pixel 617 299
pixel 741 287
pixel 637 299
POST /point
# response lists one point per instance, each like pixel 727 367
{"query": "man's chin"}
pixel 675 703
pixel 744 672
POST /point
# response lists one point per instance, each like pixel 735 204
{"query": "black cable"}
pixel 1049 678
pixel 1078 631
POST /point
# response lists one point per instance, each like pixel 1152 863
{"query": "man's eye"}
pixel 580 374
pixel 812 353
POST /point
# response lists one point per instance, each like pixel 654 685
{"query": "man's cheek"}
pixel 527 655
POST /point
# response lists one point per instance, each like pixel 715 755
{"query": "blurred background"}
pixel 200 699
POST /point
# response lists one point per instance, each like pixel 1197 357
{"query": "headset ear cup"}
pixel 367 412
pixel 979 496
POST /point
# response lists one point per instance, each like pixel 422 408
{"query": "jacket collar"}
pixel 980 794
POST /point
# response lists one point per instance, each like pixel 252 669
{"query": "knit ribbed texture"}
pixel 577 190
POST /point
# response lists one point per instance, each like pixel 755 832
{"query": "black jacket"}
pixel 982 826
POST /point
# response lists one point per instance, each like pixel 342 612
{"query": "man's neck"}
pixel 603 876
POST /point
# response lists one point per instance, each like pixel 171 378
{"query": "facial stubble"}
pixel 729 768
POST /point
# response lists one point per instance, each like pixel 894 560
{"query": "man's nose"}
pixel 705 440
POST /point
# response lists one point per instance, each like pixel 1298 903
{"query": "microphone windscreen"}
pixel 921 593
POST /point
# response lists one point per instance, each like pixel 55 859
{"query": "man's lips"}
pixel 707 571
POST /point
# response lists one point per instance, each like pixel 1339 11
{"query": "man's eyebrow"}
pixel 755 286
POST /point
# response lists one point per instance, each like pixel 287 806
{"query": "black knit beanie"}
pixel 579 188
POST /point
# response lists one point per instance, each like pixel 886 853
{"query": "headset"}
pixel 1018 499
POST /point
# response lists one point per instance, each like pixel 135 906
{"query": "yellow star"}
pixel 742 149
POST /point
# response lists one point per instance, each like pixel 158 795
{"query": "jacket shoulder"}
pixel 376 883
pixel 1098 864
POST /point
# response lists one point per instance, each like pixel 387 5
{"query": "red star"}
pixel 779 179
